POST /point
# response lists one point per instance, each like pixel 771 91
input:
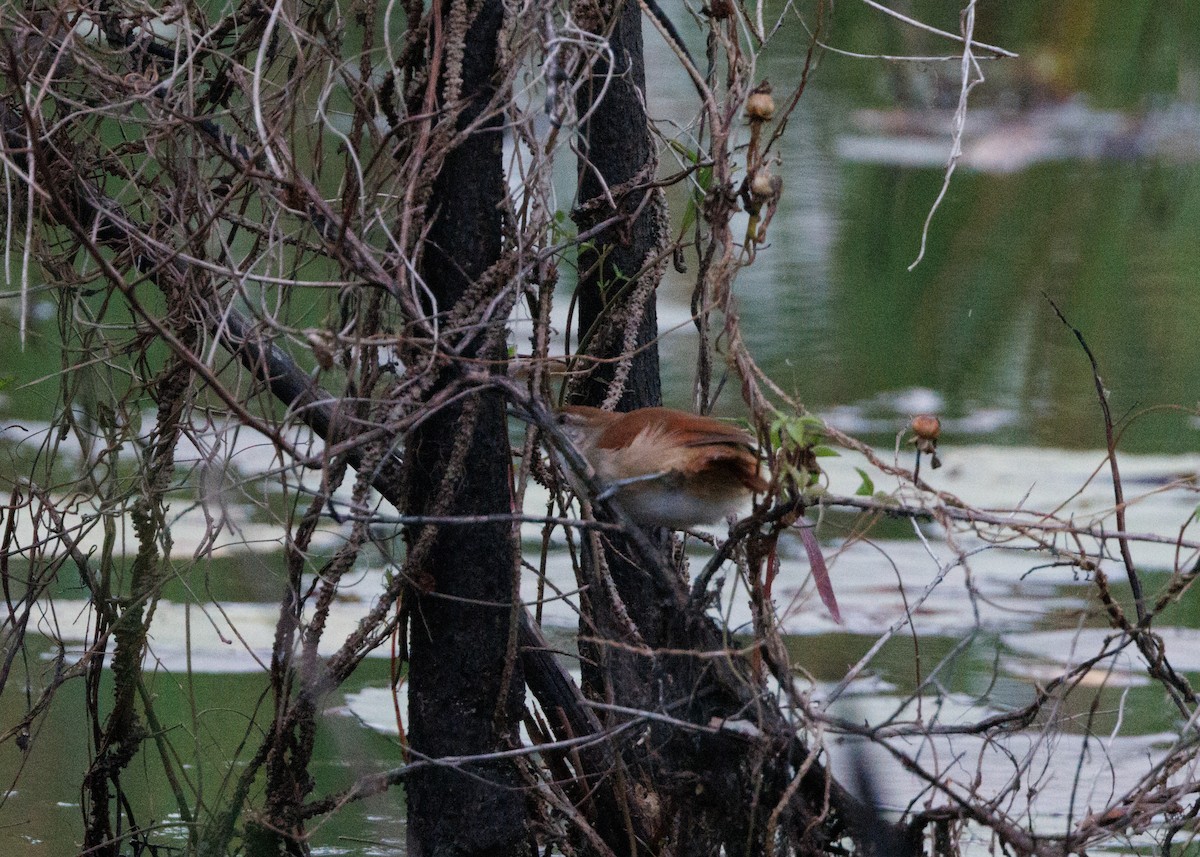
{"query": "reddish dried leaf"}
pixel 820 571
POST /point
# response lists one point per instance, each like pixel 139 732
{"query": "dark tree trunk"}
pixel 711 794
pixel 619 270
pixel 462 699
pixel 618 274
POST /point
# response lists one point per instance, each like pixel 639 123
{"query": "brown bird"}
pixel 667 468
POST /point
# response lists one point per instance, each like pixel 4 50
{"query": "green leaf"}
pixel 689 216
pixel 867 487
pixel 776 431
pixel 812 424
pixel 692 155
pixel 825 452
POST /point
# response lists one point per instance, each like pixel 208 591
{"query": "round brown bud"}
pixel 762 186
pixel 760 106
pixel 926 426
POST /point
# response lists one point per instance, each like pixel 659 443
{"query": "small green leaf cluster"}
pixel 800 441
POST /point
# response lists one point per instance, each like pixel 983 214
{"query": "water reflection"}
pixel 1107 228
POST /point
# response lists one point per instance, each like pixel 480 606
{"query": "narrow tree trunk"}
pixel 619 271
pixel 618 275
pixel 709 794
pixel 462 698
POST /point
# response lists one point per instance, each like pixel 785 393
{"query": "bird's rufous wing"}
pixel 666 440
